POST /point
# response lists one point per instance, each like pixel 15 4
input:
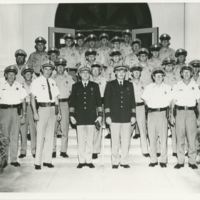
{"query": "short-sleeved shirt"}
pixel 19 77
pixel 27 87
pixel 166 53
pixel 186 95
pixel 64 84
pixel 125 49
pixel 36 60
pixel 170 79
pixel 138 90
pixel 130 60
pixel 146 73
pixel 157 96
pixel 39 89
pixel 12 95
pixel 154 62
pixel 104 55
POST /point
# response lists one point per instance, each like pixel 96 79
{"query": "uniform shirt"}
pixel 125 49
pixel 39 89
pixel 36 60
pixel 177 69
pixel 170 78
pixel 11 95
pixel 130 60
pixel 101 81
pixel 70 54
pixel 19 77
pixel 146 73
pixel 64 84
pixel 84 101
pixel 157 96
pixel 138 90
pixel 186 95
pixel 166 53
pixel 27 87
pixel 104 55
pixel 154 62
pixel 80 55
pixel 119 101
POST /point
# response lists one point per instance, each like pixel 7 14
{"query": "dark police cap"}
pixel 25 69
pixel 165 36
pixel 20 52
pixel 68 36
pixel 53 50
pixel 103 35
pixel 11 68
pixel 115 52
pixel 143 51
pixel 60 61
pixel 180 52
pixel 90 51
pixel 155 47
pixel 168 61
pixel 40 40
pixel 136 67
pixel 195 63
pixel 158 70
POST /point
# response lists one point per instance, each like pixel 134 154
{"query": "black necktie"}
pixel 49 90
pixel 120 83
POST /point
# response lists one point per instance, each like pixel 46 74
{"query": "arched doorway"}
pixel 101 16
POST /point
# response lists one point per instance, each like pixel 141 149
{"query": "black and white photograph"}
pixel 99 100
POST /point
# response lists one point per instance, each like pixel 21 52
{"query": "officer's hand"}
pixel 22 120
pixel 36 117
pixel 73 120
pixel 108 120
pixel 59 117
pixel 133 120
pixel 99 119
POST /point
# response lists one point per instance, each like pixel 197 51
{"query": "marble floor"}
pixel 65 181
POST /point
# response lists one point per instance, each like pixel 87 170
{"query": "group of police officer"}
pixel 97 83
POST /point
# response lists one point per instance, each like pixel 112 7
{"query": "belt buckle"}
pixel 158 109
pixel 48 104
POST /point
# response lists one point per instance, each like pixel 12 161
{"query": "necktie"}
pixel 85 85
pixel 49 90
pixel 120 83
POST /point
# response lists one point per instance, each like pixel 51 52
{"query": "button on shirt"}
pixel 138 90
pixel 64 84
pixel 186 95
pixel 11 95
pixel 157 96
pixel 39 89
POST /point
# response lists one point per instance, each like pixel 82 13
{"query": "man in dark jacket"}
pixel 85 112
pixel 120 115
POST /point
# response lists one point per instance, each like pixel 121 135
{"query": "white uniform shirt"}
pixel 64 84
pixel 138 90
pixel 157 96
pixel 101 81
pixel 186 95
pixel 28 91
pixel 11 95
pixel 39 89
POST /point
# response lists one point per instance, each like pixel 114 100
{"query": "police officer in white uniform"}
pixel 45 92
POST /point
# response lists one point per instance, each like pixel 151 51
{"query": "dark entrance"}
pixel 108 17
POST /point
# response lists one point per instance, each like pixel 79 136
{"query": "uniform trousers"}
pixel 10 121
pixel 64 107
pixel 85 138
pixel 29 125
pixel 120 137
pixel 157 127
pixel 186 126
pixel 97 140
pixel 141 122
pixel 45 134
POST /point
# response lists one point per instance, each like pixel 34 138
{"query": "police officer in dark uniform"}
pixel 85 111
pixel 120 115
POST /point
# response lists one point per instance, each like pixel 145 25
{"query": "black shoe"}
pixel 146 155
pixel 29 137
pixel 59 136
pixel 153 164
pixel 163 165
pixel 158 154
pixel 108 136
pixel 178 166
pixel 22 156
pixel 136 136
pixel 33 155
pixel 186 154
pixel 15 164
pixel 193 166
pixel 94 156
pixel 115 166
pixel 90 165
pixel 125 166
pixel 64 155
pixel 54 155
pixel 49 165
pixel 80 165
pixel 174 154
pixel 37 167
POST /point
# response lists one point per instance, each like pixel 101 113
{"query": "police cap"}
pixel 136 67
pixel 136 41
pixel 68 36
pixel 90 51
pixel 120 67
pixel 115 52
pixel 60 61
pixel 180 52
pixel 158 70
pixel 143 51
pixel 195 63
pixel 84 68
pixel 115 39
pixel 53 50
pixel 20 52
pixel 168 61
pixel 186 67
pixel 40 40
pixel 103 35
pixel 25 69
pixel 155 47
pixel 11 68
pixel 165 36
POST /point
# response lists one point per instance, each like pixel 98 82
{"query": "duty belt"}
pixel 46 104
pixel 185 107
pixel 157 109
pixel 140 104
pixel 5 106
pixel 64 100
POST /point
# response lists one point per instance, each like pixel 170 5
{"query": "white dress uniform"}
pixel 157 98
pixel 47 117
pixel 11 96
pixel 64 84
pixel 185 98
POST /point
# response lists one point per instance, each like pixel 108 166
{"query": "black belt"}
pixel 5 106
pixel 157 109
pixel 140 104
pixel 64 100
pixel 185 107
pixel 46 104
